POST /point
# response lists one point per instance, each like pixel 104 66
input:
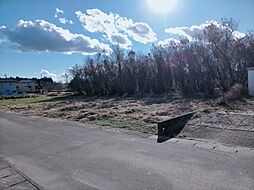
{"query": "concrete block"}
pixel 173 126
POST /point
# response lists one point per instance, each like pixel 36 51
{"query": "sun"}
pixel 162 6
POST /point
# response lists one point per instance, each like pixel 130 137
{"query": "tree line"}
pixel 216 59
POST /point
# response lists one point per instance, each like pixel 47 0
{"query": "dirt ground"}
pixel 135 113
pixel 226 120
pixel 231 128
pixel 232 125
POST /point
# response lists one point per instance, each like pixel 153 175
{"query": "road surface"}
pixel 63 155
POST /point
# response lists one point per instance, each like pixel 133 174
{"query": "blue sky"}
pixel 49 36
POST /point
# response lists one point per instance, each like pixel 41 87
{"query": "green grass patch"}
pixel 130 124
pixel 25 100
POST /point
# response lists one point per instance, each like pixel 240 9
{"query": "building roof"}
pixel 250 68
pixel 8 81
pixel 26 81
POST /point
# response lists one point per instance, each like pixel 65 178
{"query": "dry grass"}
pixel 29 99
pixel 140 114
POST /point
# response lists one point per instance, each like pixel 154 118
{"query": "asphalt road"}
pixel 66 155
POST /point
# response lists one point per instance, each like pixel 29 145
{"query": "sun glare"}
pixel 162 6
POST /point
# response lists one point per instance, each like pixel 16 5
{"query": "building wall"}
pixel 8 88
pixel 26 86
pixel 251 81
pixel 12 88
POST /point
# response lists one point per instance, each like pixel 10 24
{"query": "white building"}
pixel 251 81
pixel 8 87
pixel 26 86
pixel 12 87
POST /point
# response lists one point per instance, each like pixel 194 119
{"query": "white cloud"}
pixel 65 21
pixel 169 41
pixel 191 33
pixel 58 12
pixel 45 73
pixel 2 27
pixel 43 36
pixel 55 77
pixel 120 39
pixel 115 26
pixel 62 19
pixel 2 40
pixel 238 34
pixel 197 31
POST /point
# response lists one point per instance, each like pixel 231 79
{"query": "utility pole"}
pixel 66 79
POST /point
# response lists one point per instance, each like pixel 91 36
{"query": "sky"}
pixel 46 37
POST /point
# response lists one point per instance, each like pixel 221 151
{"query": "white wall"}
pixel 251 81
pixel 26 86
pixel 8 88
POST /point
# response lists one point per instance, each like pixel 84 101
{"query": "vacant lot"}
pixel 29 99
pixel 135 113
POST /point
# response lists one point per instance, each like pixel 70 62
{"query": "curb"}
pixel 26 178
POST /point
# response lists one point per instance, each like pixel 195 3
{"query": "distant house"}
pixel 12 87
pixel 26 86
pixel 8 87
